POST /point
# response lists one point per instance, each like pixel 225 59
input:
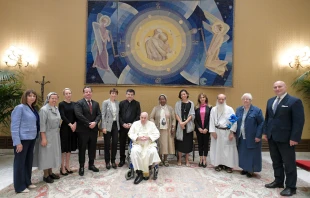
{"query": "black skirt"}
pixel 68 139
pixel 185 146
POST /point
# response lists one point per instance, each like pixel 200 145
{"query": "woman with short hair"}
pixel 164 118
pixel 110 127
pixel 48 151
pixel 248 135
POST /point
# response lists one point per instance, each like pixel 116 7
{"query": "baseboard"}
pixel 6 142
pixel 304 145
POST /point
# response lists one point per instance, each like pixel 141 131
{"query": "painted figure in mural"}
pixel 212 61
pixel 157 47
pixel 219 30
pixel 99 49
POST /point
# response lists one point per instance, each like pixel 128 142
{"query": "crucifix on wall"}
pixel 42 83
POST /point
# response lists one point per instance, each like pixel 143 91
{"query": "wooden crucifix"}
pixel 42 83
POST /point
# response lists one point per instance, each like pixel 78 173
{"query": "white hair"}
pixel 248 95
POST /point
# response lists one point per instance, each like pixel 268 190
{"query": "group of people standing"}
pixel 234 143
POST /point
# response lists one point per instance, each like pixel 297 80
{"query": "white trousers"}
pixel 143 157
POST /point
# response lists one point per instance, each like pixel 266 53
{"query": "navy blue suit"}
pixel 250 152
pixel 280 127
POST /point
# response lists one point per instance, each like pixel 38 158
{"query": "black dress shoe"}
pixel 200 164
pixel 93 168
pixel 108 166
pixel 243 172
pixel 249 175
pixel 81 171
pixel 70 172
pixel 48 179
pixel 65 173
pixel 121 163
pixel 274 185
pixel 53 176
pixel 204 165
pixel 139 177
pixel 288 192
pixel 114 165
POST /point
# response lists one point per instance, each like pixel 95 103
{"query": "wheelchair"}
pixel 131 172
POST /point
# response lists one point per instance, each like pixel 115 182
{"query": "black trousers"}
pixel 87 140
pixel 283 160
pixel 123 138
pixel 107 143
pixel 23 165
pixel 203 143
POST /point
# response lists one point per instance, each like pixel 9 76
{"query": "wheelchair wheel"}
pixel 130 174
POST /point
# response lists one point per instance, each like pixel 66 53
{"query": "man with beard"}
pixel 143 134
pixel 223 150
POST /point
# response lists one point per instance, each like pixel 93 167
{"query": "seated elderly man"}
pixel 143 134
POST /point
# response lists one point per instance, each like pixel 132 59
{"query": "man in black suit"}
pixel 283 127
pixel 129 112
pixel 88 115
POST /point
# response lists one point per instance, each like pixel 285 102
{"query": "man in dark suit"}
pixel 88 115
pixel 129 112
pixel 282 129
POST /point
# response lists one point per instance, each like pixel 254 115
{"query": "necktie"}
pixel 276 104
pixel 90 107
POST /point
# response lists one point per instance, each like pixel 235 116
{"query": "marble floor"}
pixel 7 157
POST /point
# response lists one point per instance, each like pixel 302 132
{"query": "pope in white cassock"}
pixel 143 134
pixel 223 149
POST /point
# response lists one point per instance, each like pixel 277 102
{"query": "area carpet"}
pixel 305 164
pixel 173 181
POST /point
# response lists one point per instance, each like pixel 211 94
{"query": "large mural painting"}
pixel 160 42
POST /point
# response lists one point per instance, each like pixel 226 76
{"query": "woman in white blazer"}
pixel 110 127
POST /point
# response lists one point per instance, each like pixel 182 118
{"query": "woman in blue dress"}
pixel 248 136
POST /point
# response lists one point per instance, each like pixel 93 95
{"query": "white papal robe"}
pixel 144 153
pixel 222 150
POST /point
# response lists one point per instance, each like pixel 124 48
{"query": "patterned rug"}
pixel 173 181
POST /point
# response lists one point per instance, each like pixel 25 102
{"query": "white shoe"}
pixel 25 191
pixel 31 186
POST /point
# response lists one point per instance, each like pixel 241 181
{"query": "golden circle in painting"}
pixel 157 42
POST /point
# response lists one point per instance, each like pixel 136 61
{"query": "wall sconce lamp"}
pixel 301 58
pixel 16 57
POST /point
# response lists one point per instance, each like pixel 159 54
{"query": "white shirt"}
pixel 242 123
pixel 113 110
pixel 281 97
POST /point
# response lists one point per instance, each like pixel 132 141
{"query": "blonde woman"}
pixel 67 131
